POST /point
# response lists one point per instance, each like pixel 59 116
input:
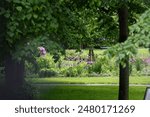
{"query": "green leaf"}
pixel 7 15
pixel 11 34
pixel 29 16
pixel 16 1
pixel 35 16
pixel 19 8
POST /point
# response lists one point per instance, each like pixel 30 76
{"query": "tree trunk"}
pixel 14 72
pixel 2 31
pixel 124 71
pixel 13 87
pixel 91 55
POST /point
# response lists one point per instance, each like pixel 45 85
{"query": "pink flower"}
pixel 147 60
pixel 42 50
pixel 90 62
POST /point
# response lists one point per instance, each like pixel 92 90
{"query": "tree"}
pixel 24 21
pixel 124 70
pixel 108 10
pixel 127 47
pixel 60 22
pixel 139 32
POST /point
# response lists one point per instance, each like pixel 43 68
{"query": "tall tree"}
pixel 124 70
pixel 27 20
pixel 126 47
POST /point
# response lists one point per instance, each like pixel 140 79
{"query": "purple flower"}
pixel 90 62
pixel 42 50
pixel 147 60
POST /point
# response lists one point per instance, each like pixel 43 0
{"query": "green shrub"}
pixel 45 62
pixel 31 70
pixel 96 67
pixel 103 66
pixel 81 69
pixel 139 64
pixel 47 73
pixel 71 72
pixel 77 70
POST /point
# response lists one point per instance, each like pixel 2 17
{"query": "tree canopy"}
pixel 139 35
pixel 62 24
pixel 72 21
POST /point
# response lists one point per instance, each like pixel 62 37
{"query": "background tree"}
pixel 112 11
pixel 123 35
pixel 124 51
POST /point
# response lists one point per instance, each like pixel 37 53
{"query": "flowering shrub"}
pixel 102 66
pixel 42 51
pixel 140 66
pixel 147 61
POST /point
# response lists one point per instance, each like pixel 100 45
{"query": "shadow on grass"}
pixel 25 92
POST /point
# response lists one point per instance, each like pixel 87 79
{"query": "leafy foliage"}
pixel 140 31
pixel 30 19
pixel 139 35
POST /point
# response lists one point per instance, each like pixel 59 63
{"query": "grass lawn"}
pixel 142 52
pixel 90 80
pixel 86 93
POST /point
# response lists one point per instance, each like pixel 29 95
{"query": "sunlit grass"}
pixel 87 93
pixel 90 80
pixel 143 53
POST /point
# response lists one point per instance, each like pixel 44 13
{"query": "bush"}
pixel 137 67
pixel 47 73
pixel 31 70
pixel 45 62
pixel 103 66
pixel 71 72
pixel 139 64
pixel 77 70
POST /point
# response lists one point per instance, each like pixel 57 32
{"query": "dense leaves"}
pixel 139 35
pixel 69 23
pixel 28 20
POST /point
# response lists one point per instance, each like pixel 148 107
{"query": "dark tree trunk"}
pixel 124 71
pixel 14 72
pixel 91 55
pixel 2 31
pixel 14 86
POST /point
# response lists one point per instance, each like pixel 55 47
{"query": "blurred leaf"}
pixel 19 8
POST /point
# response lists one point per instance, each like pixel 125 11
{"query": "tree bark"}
pixel 91 55
pixel 14 86
pixel 124 71
pixel 2 31
pixel 14 72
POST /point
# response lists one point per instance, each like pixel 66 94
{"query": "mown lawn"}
pixel 89 80
pixel 86 93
